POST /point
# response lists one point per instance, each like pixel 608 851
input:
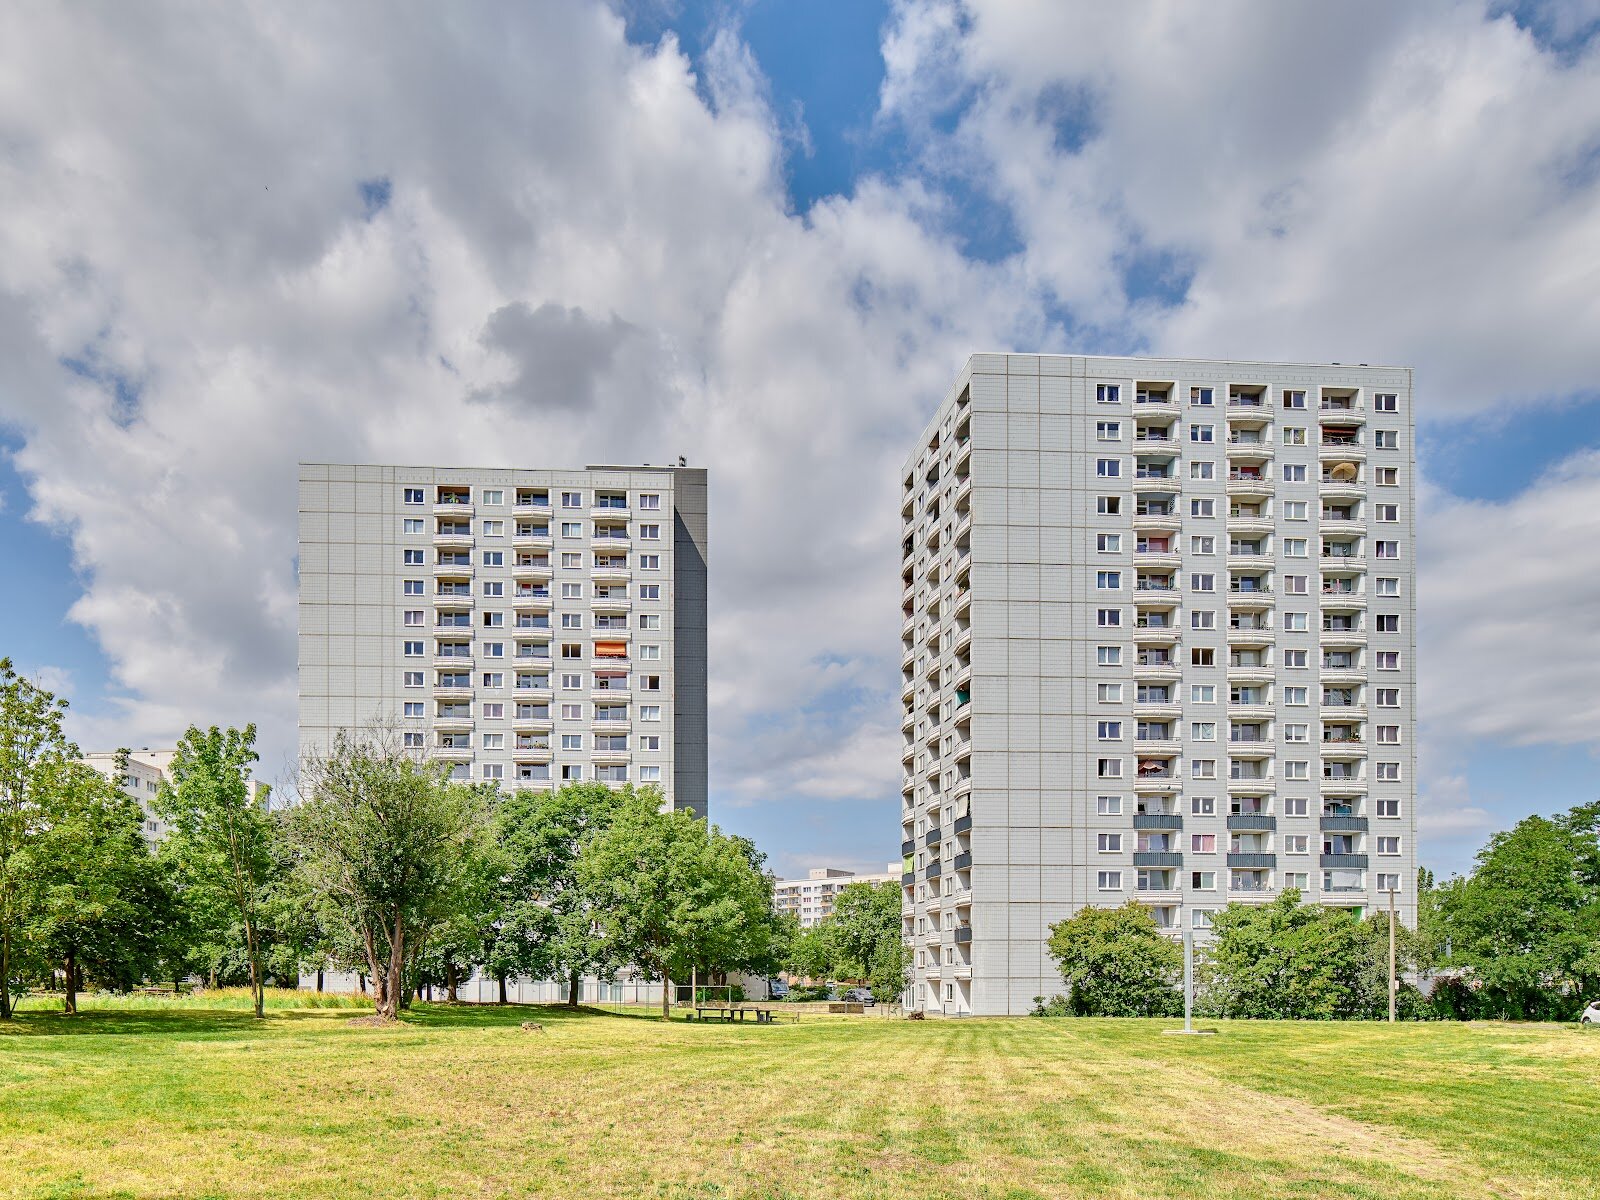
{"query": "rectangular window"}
pixel 494 588
pixel 1203 583
pixel 1201 397
pixel 1294 400
pixel 572 529
pixel 1202 656
pixel 1294 473
pixel 1388 622
pixel 572 712
pixel 1386 512
pixel 1108 506
pixel 650 533
pixel 1110 693
pixel 414 679
pixel 649 562
pixel 1203 731
pixel 1203 843
pixel 1108 431
pixel 1296 843
pixel 650 501
pixel 1388 845
pixel 1108 468
pixel 572 682
pixel 1297 769
pixel 1203 693
pixel 649 712
pixel 1203 508
pixel 415 708
pixel 571 650
pixel 1388 697
pixel 649 591
pixel 1203 768
pixel 494 529
pixel 572 620
pixel 1203 806
pixel 1295 696
pixel 416 496
pixel 1202 470
pixel 493 679
pixel 649 774
pixel 412 587
pixel 1202 433
pixel 1386 586
pixel 414 616
pixel 1109 881
pixel 1108 393
pixel 1295 622
pixel 1108 656
pixel 494 558
pixel 494 649
pixel 1200 918
pixel 1294 658
pixel 415 740
pixel 494 741
pixel 1294 435
pixel 494 712
pixel 1108 806
pixel 650 621
pixel 1202 544
pixel 1294 510
pixel 1388 476
pixel 1108 618
pixel 494 496
pixel 414 649
pixel 413 525
pixel 1389 772
pixel 1108 581
pixel 571 558
pixel 1388 735
pixel 1388 808
pixel 1203 618
pixel 1386 439
pixel 650 741
pixel 571 499
pixel 1295 806
pixel 1296 733
pixel 650 653
pixel 1108 543
pixel 1109 768
pixel 1109 843
pixel 1110 731
pixel 1295 585
pixel 1388 660
pixel 1294 547
pixel 572 741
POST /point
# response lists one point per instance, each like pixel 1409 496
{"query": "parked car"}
pixel 1591 1015
pixel 777 989
pixel 859 996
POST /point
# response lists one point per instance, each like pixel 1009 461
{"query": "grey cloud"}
pixel 559 353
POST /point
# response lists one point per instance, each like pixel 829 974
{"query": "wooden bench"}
pixel 718 1012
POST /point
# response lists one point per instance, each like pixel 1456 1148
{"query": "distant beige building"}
pixel 811 898
pixel 147 771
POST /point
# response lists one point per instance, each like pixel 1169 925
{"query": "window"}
pixel 1203 583
pixel 1106 881
pixel 1203 843
pixel 1386 439
pixel 494 496
pixel 571 650
pixel 494 558
pixel 494 649
pixel 1388 808
pixel 494 620
pixel 1388 476
pixel 572 620
pixel 1294 435
pixel 416 496
pixel 414 649
pixel 1202 470
pixel 1202 433
pixel 571 772
pixel 1388 697
pixel 1388 883
pixel 650 712
pixel 572 712
pixel 1202 544
pixel 494 712
pixel 1295 806
pixel 412 587
pixel 494 588
pixel 571 558
pixel 1294 473
pixel 1110 693
pixel 1203 508
pixel 572 682
pixel 1294 547
pixel 1201 397
pixel 1203 618
pixel 1295 585
pixel 1295 879
pixel 1109 843
pixel 1294 400
pixel 650 621
pixel 1388 623
pixel 1296 733
pixel 1110 731
pixel 649 774
pixel 650 501
pixel 494 741
pixel 571 499
pixel 493 679
pixel 414 616
pixel 494 529
pixel 1385 402
pixel 1297 769
pixel 1108 618
pixel 1294 658
pixel 1200 918
pixel 415 740
pixel 1108 806
pixel 415 708
pixel 649 591
pixel 1388 660
pixel 1296 843
pixel 1108 656
pixel 1294 622
pixel 650 533
pixel 1386 512
pixel 1109 768
pixel 1108 393
pixel 1108 543
pixel 1203 731
pixel 1202 656
pixel 1388 735
pixel 414 679
pixel 1384 585
pixel 1108 431
pixel 1203 806
pixel 572 529
pixel 1108 468
pixel 650 741
pixel 1203 693
pixel 649 562
pixel 1203 768
pixel 413 525
pixel 1294 510
pixel 1295 696
pixel 1389 772
pixel 1388 845
pixel 650 653
pixel 572 741
pixel 1108 581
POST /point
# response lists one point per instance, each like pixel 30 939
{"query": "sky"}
pixel 766 236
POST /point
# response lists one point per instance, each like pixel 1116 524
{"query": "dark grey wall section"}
pixel 690 554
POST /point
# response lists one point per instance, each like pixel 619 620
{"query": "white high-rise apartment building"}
pixel 1158 643
pixel 530 627
pixel 811 899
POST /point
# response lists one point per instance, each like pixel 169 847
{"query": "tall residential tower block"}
pixel 529 627
pixel 1157 644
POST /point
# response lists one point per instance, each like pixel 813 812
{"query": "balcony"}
pixel 963 935
pixel 1251 822
pixel 931 838
pixel 963 862
pixel 1346 861
pixel 1252 862
pixel 1158 821
pixel 1243 483
pixel 908 847
pixel 452 508
pixel 963 825
pixel 610 574
pixel 934 870
pixel 1342 824
pixel 617 508
pixel 1157 858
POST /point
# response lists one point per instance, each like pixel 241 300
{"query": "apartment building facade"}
pixel 811 899
pixel 1158 643
pixel 530 627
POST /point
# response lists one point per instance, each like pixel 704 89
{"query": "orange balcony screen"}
pixel 611 649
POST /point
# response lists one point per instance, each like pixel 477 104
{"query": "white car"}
pixel 1591 1015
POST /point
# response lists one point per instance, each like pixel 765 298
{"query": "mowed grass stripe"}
pixel 192 1102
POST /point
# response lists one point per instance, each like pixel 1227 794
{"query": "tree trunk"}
pixel 363 980
pixel 500 978
pixel 573 984
pixel 5 974
pixel 319 979
pixel 256 983
pixel 450 980
pixel 666 997
pixel 72 983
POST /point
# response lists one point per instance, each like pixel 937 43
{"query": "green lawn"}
pixel 183 1100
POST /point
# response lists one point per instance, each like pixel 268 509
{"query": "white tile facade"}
pixel 1158 642
pixel 527 626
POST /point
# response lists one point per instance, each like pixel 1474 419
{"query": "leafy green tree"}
pixel 810 952
pixel 394 847
pixel 1292 961
pixel 33 750
pixel 1116 963
pixel 864 933
pixel 673 895
pixel 1524 927
pixel 96 898
pixel 221 836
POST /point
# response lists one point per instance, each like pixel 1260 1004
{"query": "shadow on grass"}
pixel 187 1023
pixel 491 1016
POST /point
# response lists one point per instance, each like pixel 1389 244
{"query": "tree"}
pixel 674 895
pixel 392 844
pixel 1291 961
pixel 1524 927
pixel 33 749
pixel 221 835
pixel 864 934
pixel 96 899
pixel 810 952
pixel 1116 963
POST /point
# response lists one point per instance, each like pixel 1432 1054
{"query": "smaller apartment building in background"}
pixel 147 771
pixel 811 899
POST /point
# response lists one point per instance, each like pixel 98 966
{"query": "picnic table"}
pixel 725 1013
